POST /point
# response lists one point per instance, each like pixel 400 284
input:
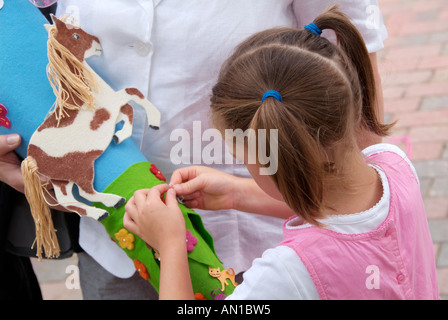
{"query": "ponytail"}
pixel 300 175
pixel 354 49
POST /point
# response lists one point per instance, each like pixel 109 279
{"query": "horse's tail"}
pixel 34 192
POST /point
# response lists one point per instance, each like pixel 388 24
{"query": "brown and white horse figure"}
pixel 77 131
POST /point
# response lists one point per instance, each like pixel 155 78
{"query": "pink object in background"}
pixel 407 142
pixel 43 3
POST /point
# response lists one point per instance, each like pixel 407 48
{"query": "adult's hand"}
pixel 10 172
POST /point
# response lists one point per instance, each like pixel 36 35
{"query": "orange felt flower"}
pixel 199 296
pixel 125 239
pixel 140 267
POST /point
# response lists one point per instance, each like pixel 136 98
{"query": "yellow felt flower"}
pixel 125 239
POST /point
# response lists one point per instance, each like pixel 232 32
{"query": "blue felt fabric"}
pixel 27 94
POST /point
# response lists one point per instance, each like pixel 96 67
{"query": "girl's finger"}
pixel 192 196
pixel 130 203
pixel 140 199
pixel 170 199
pixel 192 204
pixel 190 186
pixel 161 188
pixel 155 194
pixel 128 222
pixel 180 175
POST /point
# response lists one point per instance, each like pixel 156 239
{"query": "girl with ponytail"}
pixel 358 228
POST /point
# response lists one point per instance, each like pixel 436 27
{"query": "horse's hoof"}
pixel 104 216
pixel 120 203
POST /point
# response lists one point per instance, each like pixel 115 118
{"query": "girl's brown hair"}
pixel 328 94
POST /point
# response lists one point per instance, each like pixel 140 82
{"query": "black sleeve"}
pixel 47 11
pixel 17 278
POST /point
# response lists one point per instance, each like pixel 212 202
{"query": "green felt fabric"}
pixel 139 176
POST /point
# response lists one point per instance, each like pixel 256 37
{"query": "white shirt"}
pixel 172 50
pixel 280 273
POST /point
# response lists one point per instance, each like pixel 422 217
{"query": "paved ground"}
pixel 414 69
pixel 59 279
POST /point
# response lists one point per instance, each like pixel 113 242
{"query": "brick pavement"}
pixel 414 71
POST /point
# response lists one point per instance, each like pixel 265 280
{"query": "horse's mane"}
pixel 68 78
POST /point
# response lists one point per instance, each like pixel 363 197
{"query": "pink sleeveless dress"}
pixel 395 261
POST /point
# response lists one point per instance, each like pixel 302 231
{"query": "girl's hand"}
pixel 206 188
pixel 161 225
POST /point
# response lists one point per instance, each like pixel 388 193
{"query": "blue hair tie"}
pixel 313 28
pixel 272 93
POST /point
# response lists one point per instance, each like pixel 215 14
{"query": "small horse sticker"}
pixel 78 129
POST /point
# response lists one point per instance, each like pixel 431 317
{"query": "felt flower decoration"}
pixel 199 296
pixel 157 172
pixel 4 121
pixel 141 269
pixel 125 239
pixel 191 241
pixel 218 296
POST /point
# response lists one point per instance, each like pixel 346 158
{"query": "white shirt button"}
pixel 142 48
pixel 1 4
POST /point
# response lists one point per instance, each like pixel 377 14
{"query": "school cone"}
pixel 122 169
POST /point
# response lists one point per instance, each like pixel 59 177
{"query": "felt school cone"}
pixel 26 97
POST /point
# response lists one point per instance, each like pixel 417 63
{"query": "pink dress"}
pixel 395 261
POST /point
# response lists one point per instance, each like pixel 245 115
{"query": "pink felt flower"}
pixel 157 172
pixel 4 121
pixel 191 241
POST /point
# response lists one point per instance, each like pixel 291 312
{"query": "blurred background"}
pixel 414 71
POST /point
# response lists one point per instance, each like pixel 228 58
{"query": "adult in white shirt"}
pixel 172 50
